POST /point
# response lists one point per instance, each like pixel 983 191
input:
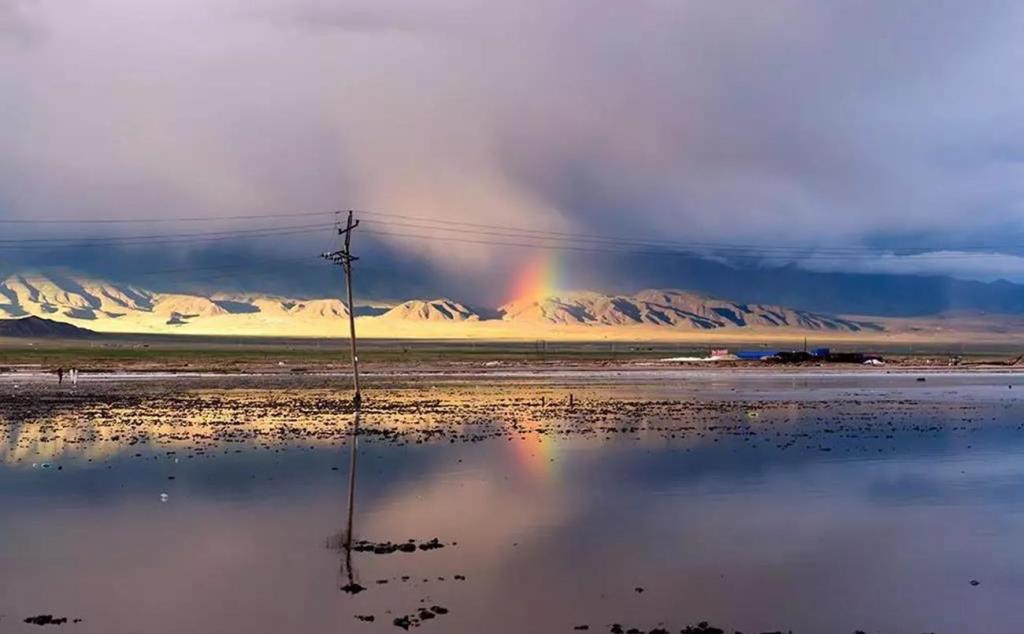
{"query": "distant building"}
pixel 755 355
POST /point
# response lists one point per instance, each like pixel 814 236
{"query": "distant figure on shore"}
pixel 60 376
pixel 74 376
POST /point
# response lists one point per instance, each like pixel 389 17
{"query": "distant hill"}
pixel 110 307
pixel 877 294
pixel 672 308
pixel 73 306
pixel 39 327
pixel 79 298
pixel 436 310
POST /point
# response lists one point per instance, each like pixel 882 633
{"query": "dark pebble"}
pixel 46 619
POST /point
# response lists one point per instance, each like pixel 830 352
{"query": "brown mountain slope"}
pixel 671 308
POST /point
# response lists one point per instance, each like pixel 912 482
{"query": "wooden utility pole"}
pixel 344 258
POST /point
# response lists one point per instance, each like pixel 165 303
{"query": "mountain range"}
pixel 111 307
pixel 105 306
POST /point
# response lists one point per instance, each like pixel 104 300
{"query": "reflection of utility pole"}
pixel 344 258
pixel 351 496
pixel 343 539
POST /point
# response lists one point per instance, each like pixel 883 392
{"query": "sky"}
pixel 870 137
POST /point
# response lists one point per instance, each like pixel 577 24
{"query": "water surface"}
pixel 755 502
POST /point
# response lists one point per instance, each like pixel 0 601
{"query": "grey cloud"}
pixel 18 22
pixel 330 16
pixel 794 121
pixel 971 265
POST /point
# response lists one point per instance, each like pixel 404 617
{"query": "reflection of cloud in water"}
pixel 799 547
pixel 485 495
pixel 713 528
pixel 177 565
pixel 188 565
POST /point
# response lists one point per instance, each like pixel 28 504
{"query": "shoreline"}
pixel 37 373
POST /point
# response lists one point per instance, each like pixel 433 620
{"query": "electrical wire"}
pixel 219 237
pixel 568 246
pixel 486 234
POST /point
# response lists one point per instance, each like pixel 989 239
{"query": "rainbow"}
pixel 537 279
pixel 536 455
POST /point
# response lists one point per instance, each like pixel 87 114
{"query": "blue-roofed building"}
pixel 755 355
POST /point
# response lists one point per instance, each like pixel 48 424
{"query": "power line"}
pixel 484 238
pixel 226 232
pixel 553 239
pixel 218 237
pixel 716 245
pixel 189 269
pixel 160 219
pixel 568 246
pixel 761 251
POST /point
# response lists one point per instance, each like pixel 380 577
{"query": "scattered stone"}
pixel 387 548
pixel 702 628
pixel 402 622
pixel 47 619
pixel 421 615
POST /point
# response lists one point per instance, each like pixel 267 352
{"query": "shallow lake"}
pixel 755 502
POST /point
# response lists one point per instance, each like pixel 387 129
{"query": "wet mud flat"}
pixel 532 502
pixel 265 412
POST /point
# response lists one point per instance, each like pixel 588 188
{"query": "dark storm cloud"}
pixel 795 121
pixel 291 270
